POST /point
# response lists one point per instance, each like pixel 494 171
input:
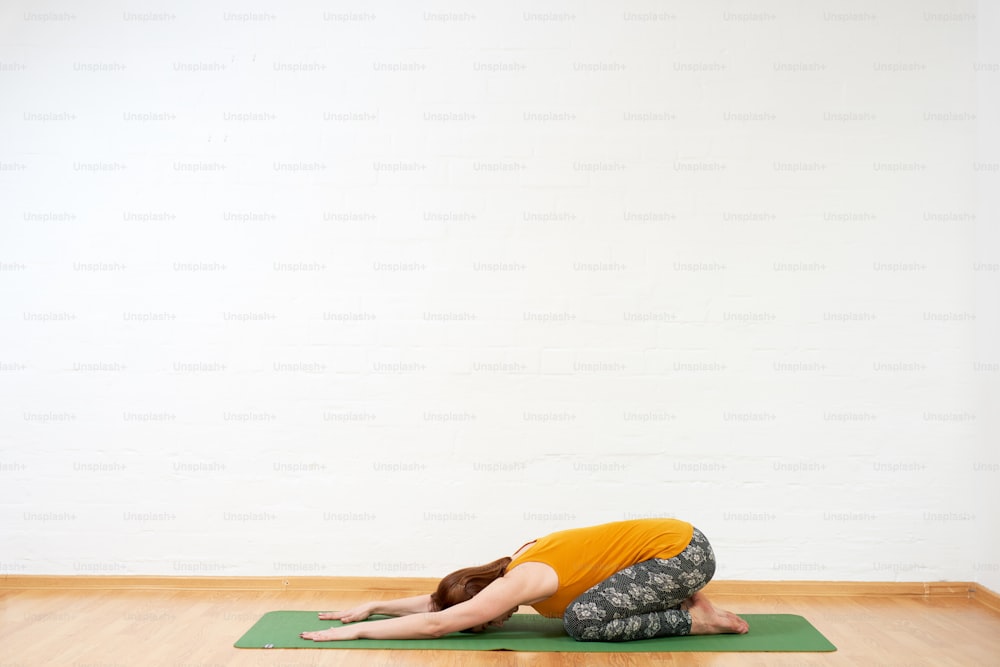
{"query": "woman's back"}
pixel 582 557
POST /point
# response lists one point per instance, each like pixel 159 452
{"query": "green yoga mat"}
pixel 531 632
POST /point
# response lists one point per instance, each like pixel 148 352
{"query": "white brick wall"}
pixel 386 289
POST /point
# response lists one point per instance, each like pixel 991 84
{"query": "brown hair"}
pixel 462 585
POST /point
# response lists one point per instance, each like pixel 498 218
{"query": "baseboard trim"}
pixel 188 583
pixel 960 589
pixel 986 597
pixel 422 584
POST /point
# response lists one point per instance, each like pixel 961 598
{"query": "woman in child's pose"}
pixel 613 582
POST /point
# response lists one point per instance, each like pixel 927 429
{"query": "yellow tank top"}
pixel 583 557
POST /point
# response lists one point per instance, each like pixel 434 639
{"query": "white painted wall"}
pixel 987 467
pixel 389 289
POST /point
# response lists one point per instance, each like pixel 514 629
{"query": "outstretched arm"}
pixel 494 600
pixel 413 626
pixel 401 607
pixel 404 606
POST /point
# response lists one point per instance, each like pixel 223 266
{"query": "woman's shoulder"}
pixel 535 581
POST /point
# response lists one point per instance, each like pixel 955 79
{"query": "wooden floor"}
pixel 129 628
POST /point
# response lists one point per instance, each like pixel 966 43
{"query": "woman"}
pixel 613 582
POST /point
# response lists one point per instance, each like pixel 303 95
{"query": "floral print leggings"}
pixel 643 601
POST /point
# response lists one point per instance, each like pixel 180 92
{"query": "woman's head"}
pixel 462 585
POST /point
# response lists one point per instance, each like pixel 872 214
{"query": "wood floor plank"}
pixel 196 628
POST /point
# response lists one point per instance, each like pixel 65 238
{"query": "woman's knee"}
pixel 575 628
pixel 581 621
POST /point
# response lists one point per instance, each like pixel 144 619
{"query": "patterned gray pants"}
pixel 643 601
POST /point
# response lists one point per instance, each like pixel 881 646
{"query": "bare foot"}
pixel 706 619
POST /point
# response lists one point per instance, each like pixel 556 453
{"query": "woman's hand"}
pixel 332 634
pixel 359 613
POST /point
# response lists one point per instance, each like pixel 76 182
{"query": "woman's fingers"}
pixel 343 616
